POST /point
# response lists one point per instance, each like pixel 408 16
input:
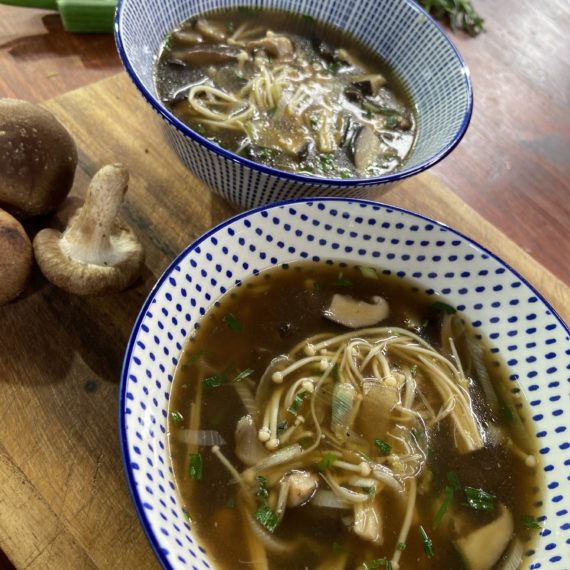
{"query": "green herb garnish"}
pixel 459 13
pixel 308 18
pixel 342 281
pixel 453 480
pixel 176 418
pixel 200 129
pixel 447 499
pixel 194 358
pixel 267 518
pixel 243 374
pixel 378 563
pixel 479 500
pixel 428 544
pixel 262 489
pixel 267 153
pixel 212 381
pixel 231 321
pixel 383 447
pixel 401 546
pixel 506 411
pixel 195 466
pixel 530 522
pixel 327 461
pixel 327 161
pixel 413 369
pixel 444 307
pixel 316 286
pixel 298 400
pixel 337 547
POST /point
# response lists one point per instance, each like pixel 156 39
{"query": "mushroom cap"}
pixel 15 258
pixel 38 159
pixel 87 278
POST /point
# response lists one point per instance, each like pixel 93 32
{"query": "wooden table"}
pixel 63 497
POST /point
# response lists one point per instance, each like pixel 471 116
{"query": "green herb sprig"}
pixel 460 14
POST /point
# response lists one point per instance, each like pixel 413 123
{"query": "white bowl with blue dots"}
pixel 525 333
pixel 401 32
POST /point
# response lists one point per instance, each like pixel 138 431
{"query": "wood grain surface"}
pixel 64 502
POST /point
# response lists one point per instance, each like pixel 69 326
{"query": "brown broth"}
pixel 275 310
pixel 288 135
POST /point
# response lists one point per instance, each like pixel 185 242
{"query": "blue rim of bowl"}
pixel 147 526
pixel 349 182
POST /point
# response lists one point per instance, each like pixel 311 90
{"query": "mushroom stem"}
pixel 89 232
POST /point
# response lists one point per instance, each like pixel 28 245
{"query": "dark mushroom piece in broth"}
pixel 287 92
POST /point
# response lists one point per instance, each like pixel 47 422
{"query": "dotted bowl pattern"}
pixel 401 32
pixel 524 330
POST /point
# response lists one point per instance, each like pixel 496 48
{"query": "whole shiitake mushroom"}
pixel 38 159
pixel 16 258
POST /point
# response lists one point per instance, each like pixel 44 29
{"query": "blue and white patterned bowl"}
pixel 401 32
pixel 524 330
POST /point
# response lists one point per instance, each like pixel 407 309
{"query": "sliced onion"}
pixel 204 437
pixel 327 499
pixel 282 455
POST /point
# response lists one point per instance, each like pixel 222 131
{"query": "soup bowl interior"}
pixel 524 331
pixel 406 38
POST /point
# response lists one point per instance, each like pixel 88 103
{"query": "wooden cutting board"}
pixel 64 502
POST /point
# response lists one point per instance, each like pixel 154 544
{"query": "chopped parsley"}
pixel 262 489
pixel 176 418
pixel 231 321
pixel 200 129
pixel 401 546
pixel 337 547
pixel 505 411
pixel 427 542
pixel 413 369
pixel 195 469
pixel 327 161
pixel 243 374
pixel 342 281
pixel 267 518
pixel 530 522
pixel 479 500
pixel 453 480
pixel 383 447
pixel 297 402
pixel 327 461
pixel 213 381
pixel 377 563
pixel 444 307
pixel 447 499
pixel 194 358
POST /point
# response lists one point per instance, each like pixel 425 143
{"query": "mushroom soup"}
pixel 287 92
pixel 325 415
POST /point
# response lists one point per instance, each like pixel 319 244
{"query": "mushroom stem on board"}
pixel 95 254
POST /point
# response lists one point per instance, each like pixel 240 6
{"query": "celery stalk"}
pixel 78 16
